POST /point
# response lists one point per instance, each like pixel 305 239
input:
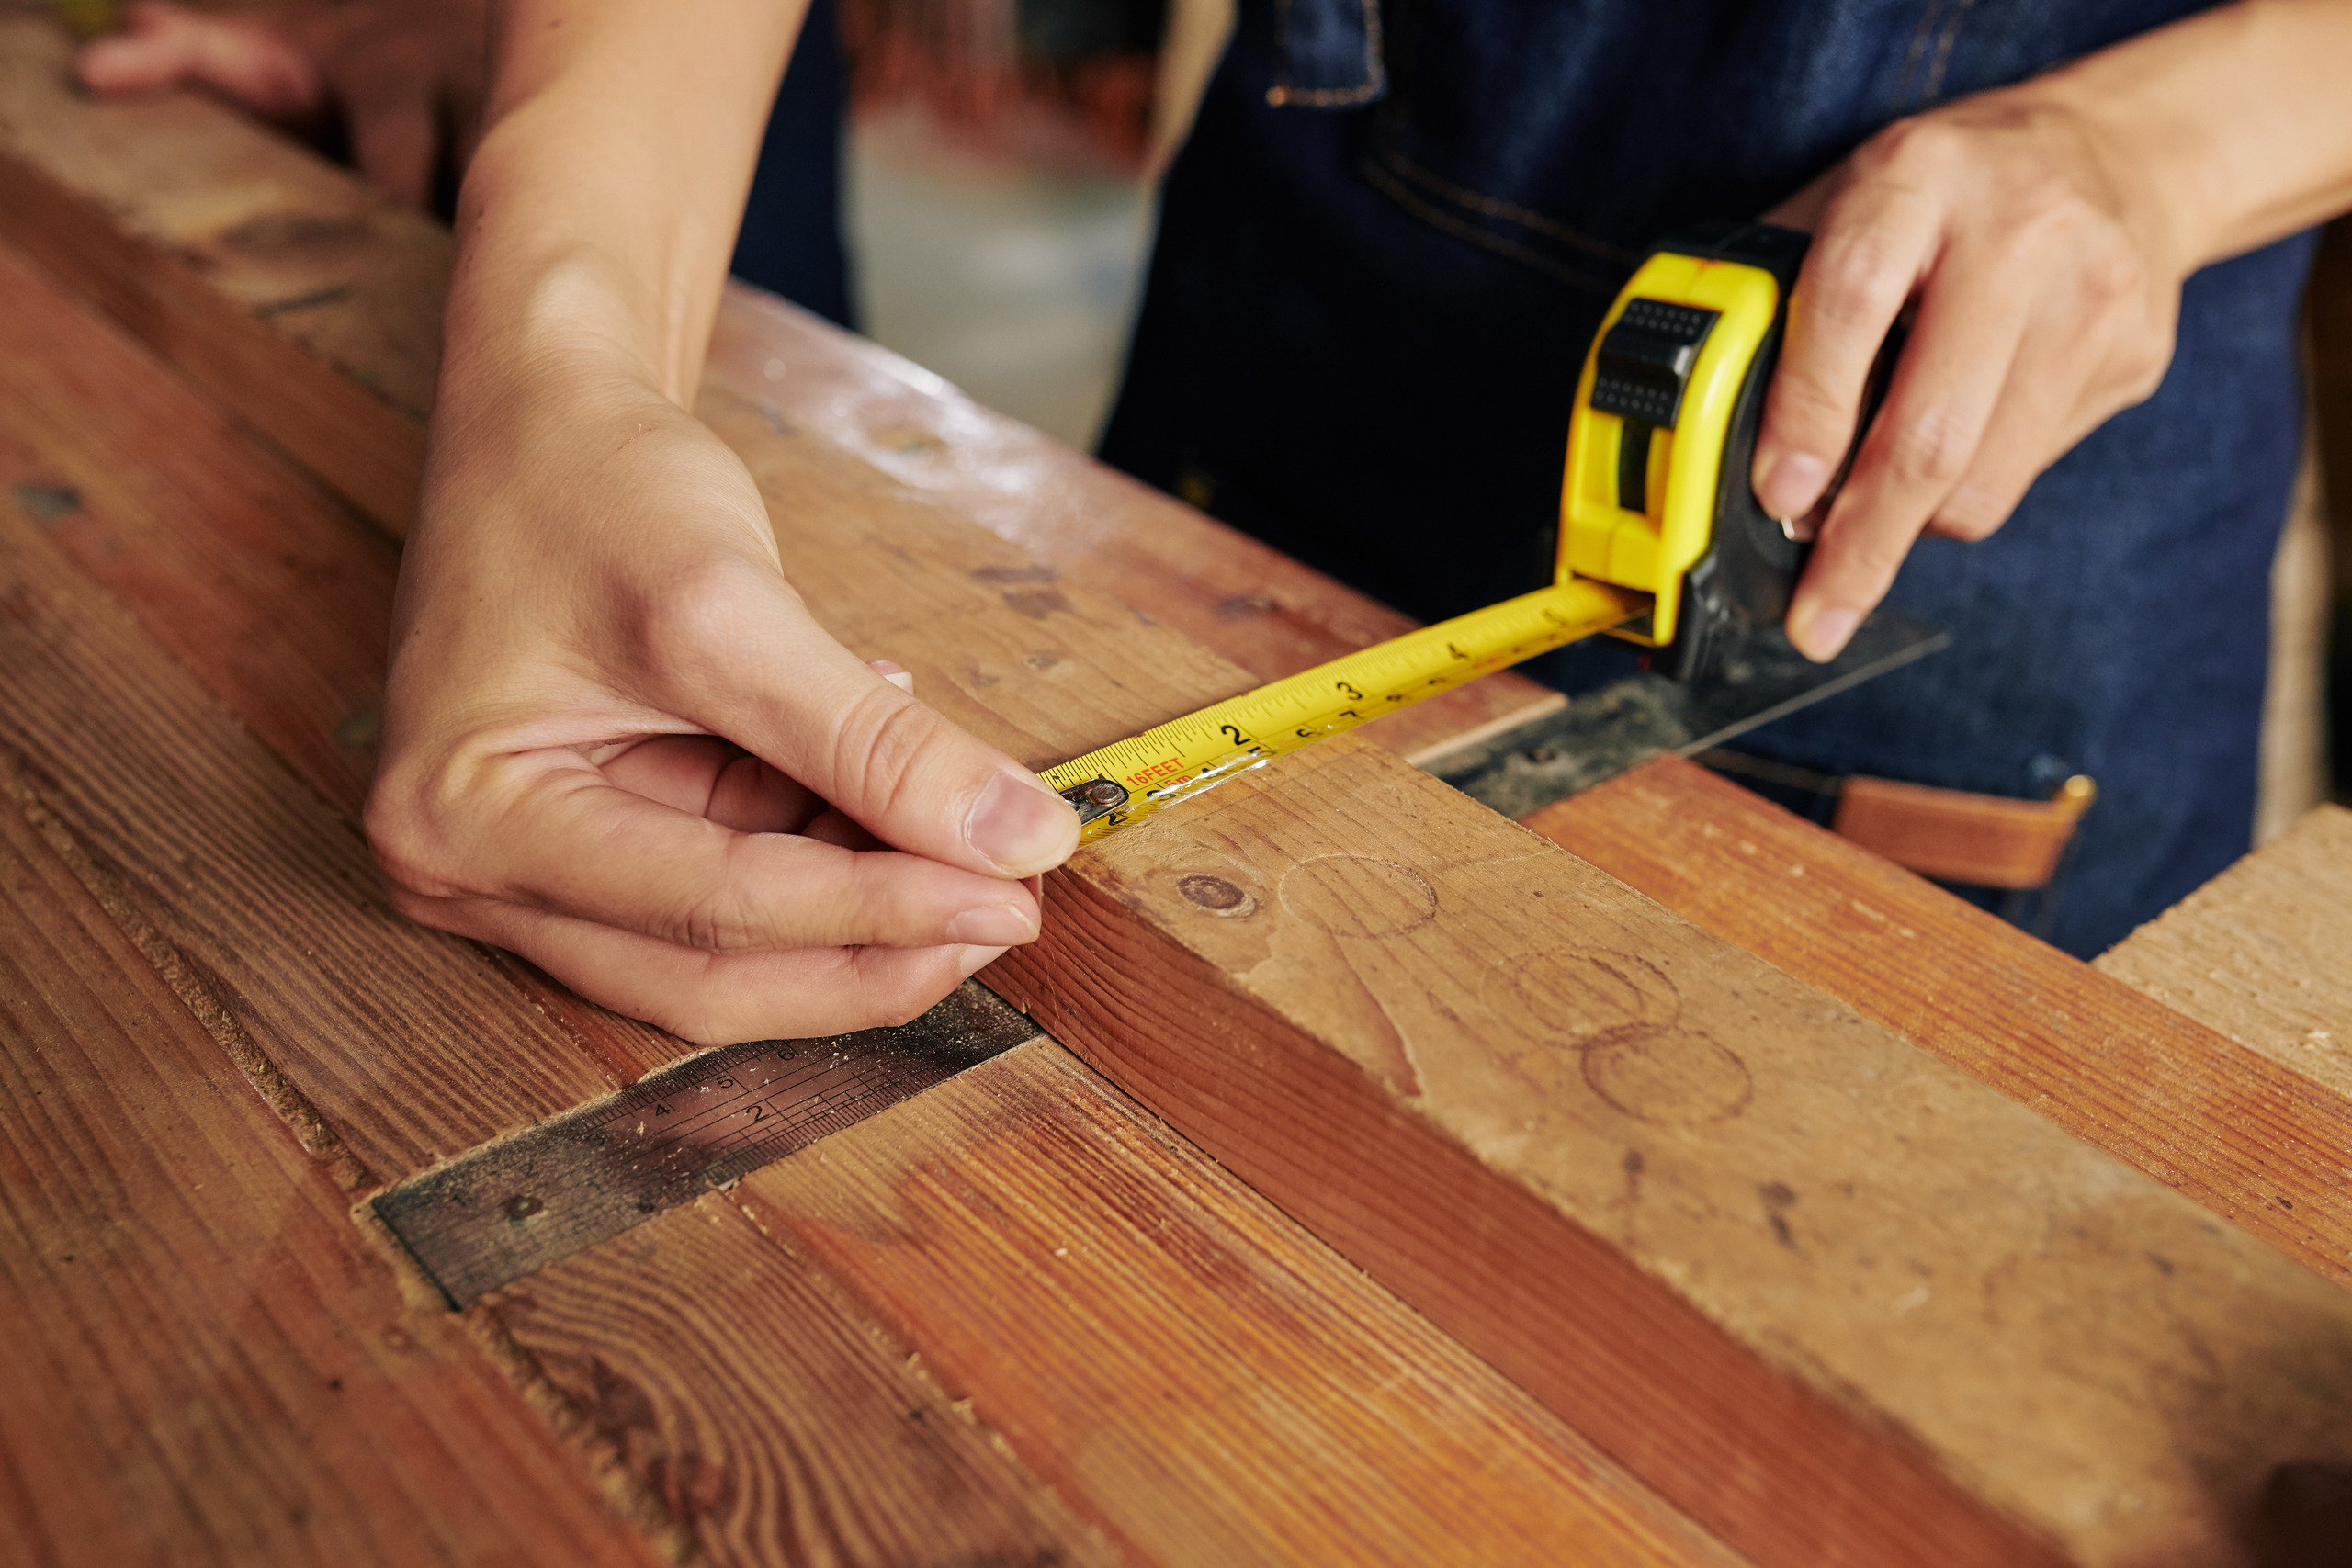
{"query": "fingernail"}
pixel 991 925
pixel 1822 634
pixel 1793 484
pixel 1020 827
pixel 975 959
pixel 898 675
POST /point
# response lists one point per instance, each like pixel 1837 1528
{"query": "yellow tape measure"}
pixel 1658 529
pixel 1129 780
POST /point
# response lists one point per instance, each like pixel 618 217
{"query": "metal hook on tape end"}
pixel 1095 797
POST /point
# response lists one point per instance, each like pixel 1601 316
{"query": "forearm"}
pixel 2228 129
pixel 599 212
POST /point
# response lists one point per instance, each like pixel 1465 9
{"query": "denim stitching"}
pixel 1439 218
pixel 1943 52
pixel 1375 75
pixel 1510 213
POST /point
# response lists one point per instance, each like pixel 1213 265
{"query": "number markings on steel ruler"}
pixel 1128 780
pixel 509 1207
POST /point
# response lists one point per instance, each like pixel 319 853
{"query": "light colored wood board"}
pixel 207 1362
pixel 1265 612
pixel 2263 952
pixel 276 601
pixel 2220 1123
pixel 1208 1383
pixel 760 1415
pixel 1827 1293
pixel 401 1044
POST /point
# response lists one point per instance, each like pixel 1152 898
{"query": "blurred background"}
pixel 996 184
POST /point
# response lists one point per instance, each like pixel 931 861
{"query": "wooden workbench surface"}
pixel 1023 1318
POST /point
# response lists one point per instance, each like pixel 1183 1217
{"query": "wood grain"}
pixel 103 194
pixel 1611 1154
pixel 207 1362
pixel 254 581
pixel 760 1413
pixel 405 1043
pixel 2263 952
pixel 1105 1297
pixel 710 1430
pixel 2221 1125
pixel 1372 1038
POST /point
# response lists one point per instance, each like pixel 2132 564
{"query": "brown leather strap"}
pixel 1986 840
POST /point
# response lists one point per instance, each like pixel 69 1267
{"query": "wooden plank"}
pixel 1611 1154
pixel 2218 1122
pixel 1070 1241
pixel 2263 954
pixel 243 572
pixel 269 233
pixel 712 1428
pixel 1724 1360
pixel 1172 1355
pixel 761 1414
pixel 104 196
pixel 405 1043
pixel 207 1364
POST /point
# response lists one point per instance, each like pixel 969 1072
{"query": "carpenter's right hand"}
pixel 617 743
pixel 405 77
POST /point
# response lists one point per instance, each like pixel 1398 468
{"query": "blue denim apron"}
pixel 1392 235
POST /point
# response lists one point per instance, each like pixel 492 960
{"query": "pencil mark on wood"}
pixel 1581 999
pixel 1779 1198
pixel 1245 606
pixel 1357 895
pixel 1676 1078
pixel 1001 574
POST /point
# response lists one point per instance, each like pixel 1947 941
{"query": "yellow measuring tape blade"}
pixel 1187 755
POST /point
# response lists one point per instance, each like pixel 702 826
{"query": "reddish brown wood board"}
pixel 207 1364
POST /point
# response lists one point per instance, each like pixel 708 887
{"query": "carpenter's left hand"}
pixel 2027 241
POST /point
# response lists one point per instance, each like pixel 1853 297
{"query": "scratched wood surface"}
pixel 382 1047
pixel 1932 1494
pixel 2263 952
pixel 207 1362
pixel 1388 1010
pixel 2225 1126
